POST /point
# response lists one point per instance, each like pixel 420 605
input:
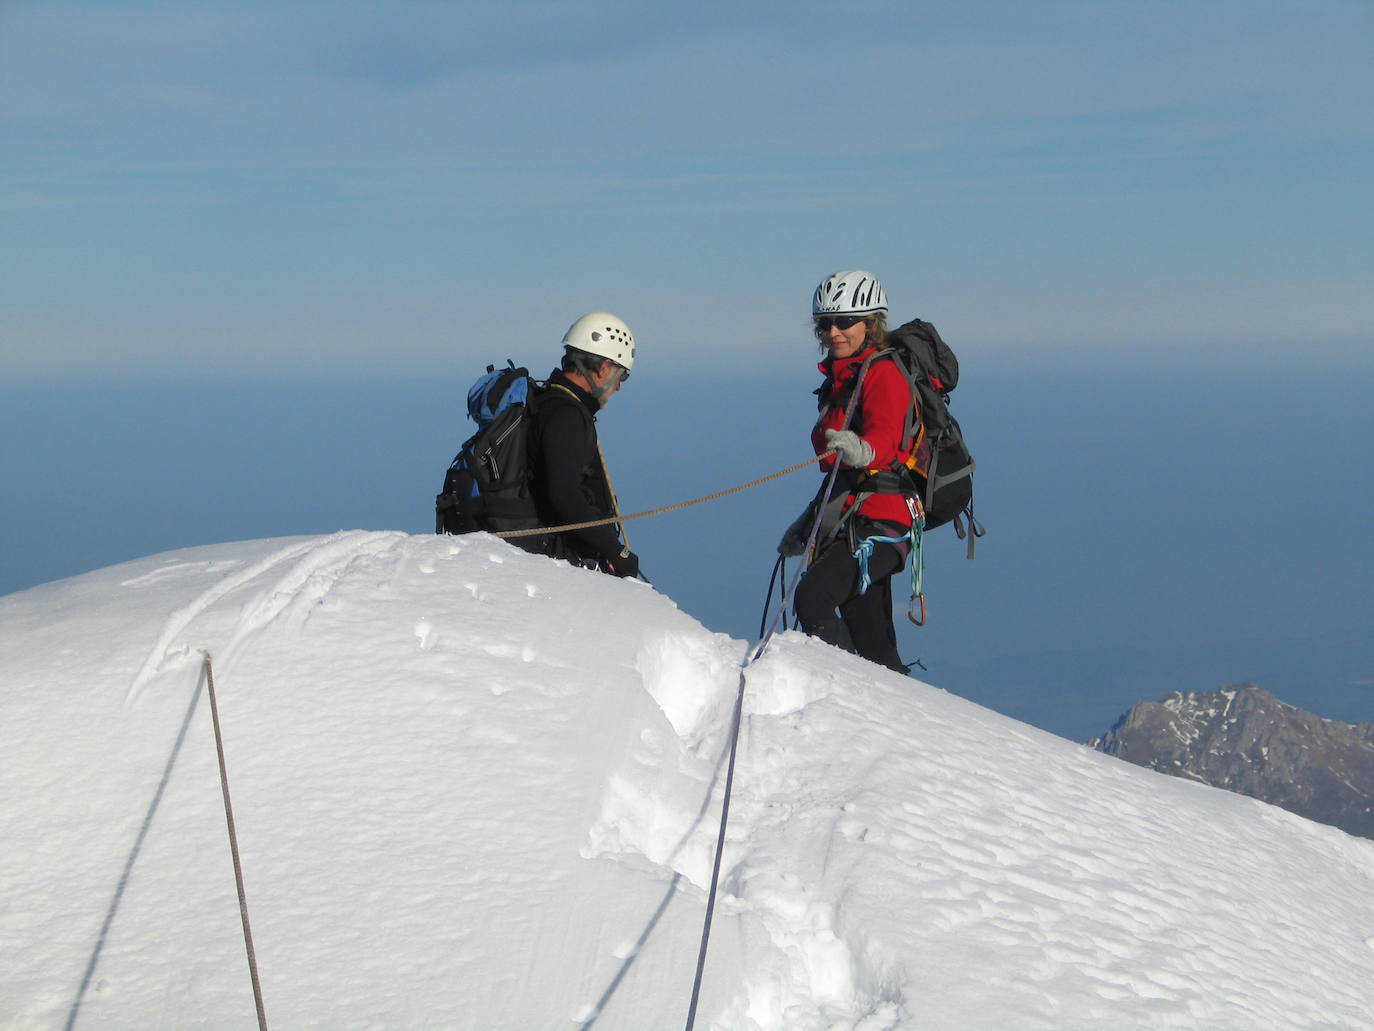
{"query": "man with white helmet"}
pixel 569 480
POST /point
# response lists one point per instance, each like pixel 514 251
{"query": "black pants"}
pixel 864 624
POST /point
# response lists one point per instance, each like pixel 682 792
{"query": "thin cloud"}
pixel 295 178
pixel 433 80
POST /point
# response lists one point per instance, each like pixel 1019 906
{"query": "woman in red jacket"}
pixel 871 501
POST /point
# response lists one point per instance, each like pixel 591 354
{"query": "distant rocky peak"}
pixel 1246 740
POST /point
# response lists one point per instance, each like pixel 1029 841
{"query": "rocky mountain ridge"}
pixel 1246 740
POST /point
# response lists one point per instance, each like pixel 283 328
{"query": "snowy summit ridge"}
pixel 478 789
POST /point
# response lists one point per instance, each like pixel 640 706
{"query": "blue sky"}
pixel 248 250
pixel 348 188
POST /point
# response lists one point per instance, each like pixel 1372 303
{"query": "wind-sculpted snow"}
pixel 478 789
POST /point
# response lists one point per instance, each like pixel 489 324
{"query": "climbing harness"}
pixel 234 844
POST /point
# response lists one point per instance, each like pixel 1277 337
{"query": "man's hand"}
pixel 624 565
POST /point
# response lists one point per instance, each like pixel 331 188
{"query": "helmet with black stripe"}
pixel 850 292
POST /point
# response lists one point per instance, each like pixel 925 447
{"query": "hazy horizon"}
pixel 1144 504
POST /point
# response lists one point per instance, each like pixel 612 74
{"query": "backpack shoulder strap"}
pixel 911 427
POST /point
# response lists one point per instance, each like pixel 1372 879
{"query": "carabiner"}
pixel 911 610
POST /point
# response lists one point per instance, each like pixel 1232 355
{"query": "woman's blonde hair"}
pixel 875 335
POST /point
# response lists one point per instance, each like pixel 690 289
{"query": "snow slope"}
pixel 478 789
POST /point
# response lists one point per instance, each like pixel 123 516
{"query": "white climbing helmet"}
pixel 850 292
pixel 602 334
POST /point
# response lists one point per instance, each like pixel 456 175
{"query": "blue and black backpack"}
pixel 487 486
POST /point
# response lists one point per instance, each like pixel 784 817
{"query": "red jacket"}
pixel 879 418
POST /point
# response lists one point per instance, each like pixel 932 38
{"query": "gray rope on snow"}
pixel 234 846
pixel 739 705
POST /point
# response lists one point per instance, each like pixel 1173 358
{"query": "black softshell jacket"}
pixel 569 481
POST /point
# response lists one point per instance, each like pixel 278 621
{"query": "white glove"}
pixel 851 448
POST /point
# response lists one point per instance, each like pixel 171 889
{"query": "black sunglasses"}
pixel 824 322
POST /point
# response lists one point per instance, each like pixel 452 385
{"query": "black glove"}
pixel 625 566
pixel 793 542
